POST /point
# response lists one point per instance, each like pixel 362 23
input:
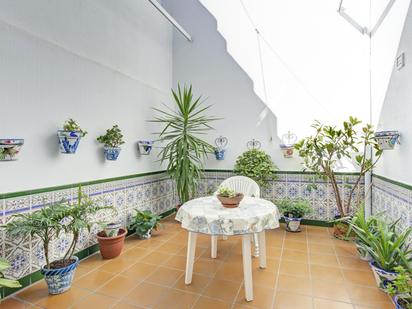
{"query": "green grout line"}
pixel 394 182
pixel 83 254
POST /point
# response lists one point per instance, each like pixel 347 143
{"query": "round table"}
pixel 207 215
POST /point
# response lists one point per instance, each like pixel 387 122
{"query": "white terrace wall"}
pixel 207 65
pixel 96 61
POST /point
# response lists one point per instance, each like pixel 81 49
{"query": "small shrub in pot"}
pixel 69 136
pixel 112 141
pixel 228 197
pixel 293 211
pixel 144 222
pixel 400 289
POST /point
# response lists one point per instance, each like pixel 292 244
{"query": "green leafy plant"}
pixel 258 165
pixel 49 222
pixel 387 247
pixel 184 151
pixel 72 125
pixel 401 287
pixel 294 208
pixel 113 137
pixel 226 192
pixel 4 282
pixel 144 221
pixel 322 152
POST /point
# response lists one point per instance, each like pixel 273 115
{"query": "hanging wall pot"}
pixel 387 139
pixel 69 137
pixel 221 143
pixel 112 140
pixel 10 148
pixel 288 144
pixel 145 147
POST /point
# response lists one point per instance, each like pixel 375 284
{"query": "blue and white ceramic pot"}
pixel 147 235
pixel 60 280
pixel 69 141
pixel 220 154
pixel 292 224
pixel 287 150
pixel 397 300
pixel 112 153
pixel 145 147
pixel 382 275
pixel 363 254
pixel 10 148
pixel 387 139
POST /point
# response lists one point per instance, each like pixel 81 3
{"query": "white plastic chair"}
pixel 248 187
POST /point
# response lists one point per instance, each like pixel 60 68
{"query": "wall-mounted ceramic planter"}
pixel 387 139
pixel 10 148
pixel 145 147
pixel 111 153
pixel 220 149
pixel 287 150
pixel 220 154
pixel 69 141
pixel 288 142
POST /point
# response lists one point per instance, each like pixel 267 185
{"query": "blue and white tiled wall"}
pixel 296 186
pixel 154 192
pixel 392 201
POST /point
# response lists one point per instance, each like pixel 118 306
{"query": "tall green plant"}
pixel 322 152
pixel 184 151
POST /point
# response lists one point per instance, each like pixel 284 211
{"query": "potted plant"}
pixel 387 139
pixel 185 150
pixel 145 147
pixel 258 165
pixel 69 136
pixel 220 149
pixel 228 197
pixel 4 282
pixel 387 248
pixel 112 141
pixel 10 148
pixel 111 240
pixel 47 224
pixel 323 151
pixel 293 211
pixel 144 222
pixel 400 289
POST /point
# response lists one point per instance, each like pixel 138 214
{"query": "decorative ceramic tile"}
pixel 16 205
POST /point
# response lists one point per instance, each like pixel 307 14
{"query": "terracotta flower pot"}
pixel 111 247
pixel 230 202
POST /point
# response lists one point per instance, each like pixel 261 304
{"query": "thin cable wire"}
pixel 262 71
pixel 283 62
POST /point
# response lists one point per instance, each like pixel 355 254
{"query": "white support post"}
pixel 262 252
pixel 247 267
pixel 213 247
pixel 191 249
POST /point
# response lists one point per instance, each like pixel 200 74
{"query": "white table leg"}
pixel 256 243
pixel 262 249
pixel 213 251
pixel 191 248
pixel 247 267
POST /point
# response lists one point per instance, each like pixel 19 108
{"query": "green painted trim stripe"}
pixel 75 185
pixel 312 222
pixel 394 182
pixel 85 253
pixel 285 172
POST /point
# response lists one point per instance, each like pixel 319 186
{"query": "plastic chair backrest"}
pixel 242 184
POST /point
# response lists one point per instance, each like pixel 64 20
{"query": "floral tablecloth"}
pixel 207 215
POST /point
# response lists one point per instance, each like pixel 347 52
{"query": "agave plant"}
pixel 185 151
pixel 4 282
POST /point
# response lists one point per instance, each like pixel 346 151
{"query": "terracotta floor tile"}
pixel 222 289
pixel 272 265
pixel 206 267
pixel 151 243
pixel 230 271
pixel 320 239
pixel 273 252
pixel 335 291
pixel 346 251
pixel 136 253
pixel 354 263
pixel 117 287
pixel 209 303
pixel 323 259
pixel 93 261
pixel 296 245
pixel 93 280
pixel 296 237
pixel 274 242
pixel 11 303
pixel 295 256
pixel 34 293
pixel 146 295
pixel 164 276
pixel 175 299
pixel 264 278
pixel 318 248
pixel 198 253
pixel 156 258
pixel 125 305
pixel 294 268
pixel 359 277
pixel 170 248
pixel 284 300
pixel 328 304
pixel 332 274
pixel 65 299
pixel 116 265
pixel 294 284
pixel 368 296
pixel 262 298
pixel 99 301
pixel 198 285
pixel 139 271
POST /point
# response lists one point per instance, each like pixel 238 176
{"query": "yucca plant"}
pixel 185 151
